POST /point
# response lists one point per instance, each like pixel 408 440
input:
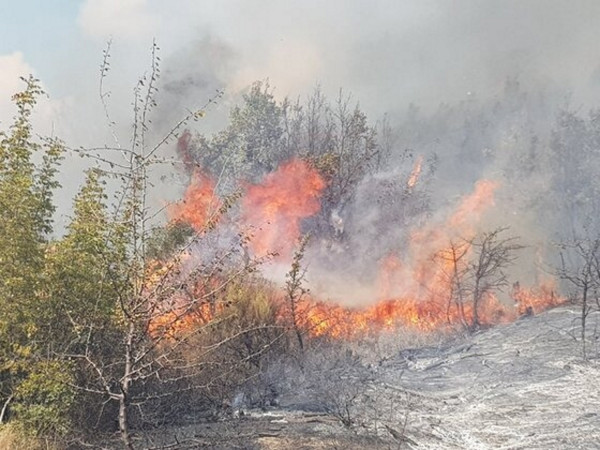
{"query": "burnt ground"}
pixel 519 386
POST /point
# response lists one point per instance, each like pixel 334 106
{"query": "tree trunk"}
pixel 297 325
pixel 583 317
pixel 124 422
pixel 476 295
pixel 125 385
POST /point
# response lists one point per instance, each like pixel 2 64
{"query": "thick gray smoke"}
pixel 391 53
pixel 472 88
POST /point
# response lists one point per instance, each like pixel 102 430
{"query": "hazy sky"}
pixel 388 52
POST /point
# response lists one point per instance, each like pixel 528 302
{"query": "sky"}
pixel 386 53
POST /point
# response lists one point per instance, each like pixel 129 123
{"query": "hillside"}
pixel 523 385
pixel 518 386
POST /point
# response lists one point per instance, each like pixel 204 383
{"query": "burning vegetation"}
pixel 388 261
pixel 277 206
pixel 302 229
pixel 447 273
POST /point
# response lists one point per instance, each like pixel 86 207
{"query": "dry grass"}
pixel 12 438
pixel 386 344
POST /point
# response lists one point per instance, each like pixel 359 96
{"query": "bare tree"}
pixel 161 306
pixel 493 254
pixel 580 267
pixel 475 268
pixel 455 267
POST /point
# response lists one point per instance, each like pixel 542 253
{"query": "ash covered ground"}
pixel 523 385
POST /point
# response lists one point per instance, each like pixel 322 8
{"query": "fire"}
pixel 425 315
pixel 172 313
pixel 200 203
pixel 278 205
pixel 416 172
pixel 275 208
pixel 422 274
pixel 415 285
pixel 533 301
pixel 416 291
pixel 473 206
pixel 170 324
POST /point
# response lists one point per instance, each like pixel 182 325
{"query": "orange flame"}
pixel 199 202
pixel 473 206
pixel 533 301
pixel 179 312
pixel 416 172
pixel 417 292
pixel 278 205
pixel 414 289
pixel 425 315
pixel 171 324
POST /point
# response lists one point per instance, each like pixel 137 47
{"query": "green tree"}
pixel 79 322
pixel 77 280
pixel 152 293
pixel 26 203
pixel 336 138
pixel 251 145
pixel 105 312
pixel 340 142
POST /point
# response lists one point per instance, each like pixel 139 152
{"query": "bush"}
pixel 236 334
pixel 14 437
pixel 44 399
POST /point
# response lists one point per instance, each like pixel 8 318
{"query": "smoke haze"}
pixel 387 53
pixel 390 54
pixel 485 81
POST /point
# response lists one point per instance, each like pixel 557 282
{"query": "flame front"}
pixel 277 206
pixel 417 291
pixel 199 204
pixel 415 286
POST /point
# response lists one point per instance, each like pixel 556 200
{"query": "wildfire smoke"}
pixel 413 285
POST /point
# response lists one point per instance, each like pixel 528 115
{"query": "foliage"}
pixel 14 437
pixel 164 241
pixel 26 201
pixel 335 138
pixel 339 142
pixel 250 146
pixel 243 336
pixel 81 303
pixel 43 400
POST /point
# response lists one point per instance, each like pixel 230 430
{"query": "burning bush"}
pixel 231 345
